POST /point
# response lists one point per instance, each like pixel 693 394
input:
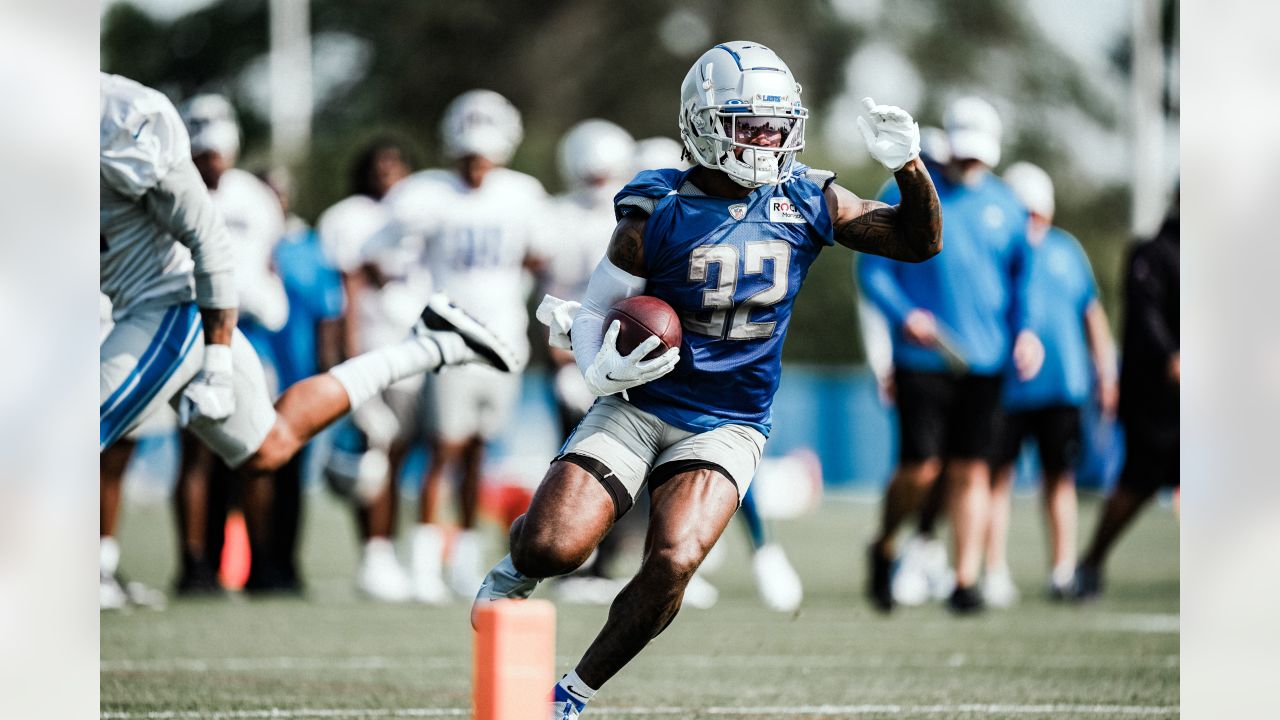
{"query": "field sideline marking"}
pixel 380 662
pixel 792 710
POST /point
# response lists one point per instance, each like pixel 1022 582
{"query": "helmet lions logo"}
pixel 737 212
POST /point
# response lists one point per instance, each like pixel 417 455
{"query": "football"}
pixel 642 316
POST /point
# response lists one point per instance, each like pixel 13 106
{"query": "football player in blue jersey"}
pixel 727 244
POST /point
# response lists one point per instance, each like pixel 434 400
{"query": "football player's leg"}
pixel 696 486
pixel 970 441
pixel 1059 442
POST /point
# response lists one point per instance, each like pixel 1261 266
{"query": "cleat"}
pixel 878 586
pixel 428 582
pixel 564 706
pixel 777 582
pixel 1087 584
pixel 966 601
pixel 503 582
pixel 111 596
pixel 380 576
pixel 442 316
pixel 998 589
pixel 465 571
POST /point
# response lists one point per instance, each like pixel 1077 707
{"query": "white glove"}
pixel 612 373
pixel 211 394
pixel 557 315
pixel 893 138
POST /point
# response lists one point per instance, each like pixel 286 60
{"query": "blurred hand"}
pixel 211 393
pixel 921 328
pixel 1028 355
pixel 1175 368
pixel 893 138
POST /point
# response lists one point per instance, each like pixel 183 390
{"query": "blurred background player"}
pixel 167 266
pixel 207 489
pixel 1064 311
pixel 309 342
pixel 475 228
pixel 371 444
pixel 1150 381
pixel 956 321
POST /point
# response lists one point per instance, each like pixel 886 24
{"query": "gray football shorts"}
pixel 625 447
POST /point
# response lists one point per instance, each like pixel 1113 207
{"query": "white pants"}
pixel 150 356
pixel 470 400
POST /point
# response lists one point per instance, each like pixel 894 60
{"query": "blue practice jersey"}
pixel 1060 287
pixel 731 269
pixel 314 288
pixel 974 287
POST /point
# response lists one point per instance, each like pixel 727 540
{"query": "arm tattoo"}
pixel 626 247
pixel 910 231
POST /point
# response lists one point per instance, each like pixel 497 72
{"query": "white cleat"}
pixel 923 573
pixel 380 576
pixel 442 316
pixel 700 593
pixel 998 589
pixel 426 549
pixel 503 582
pixel 111 596
pixel 777 582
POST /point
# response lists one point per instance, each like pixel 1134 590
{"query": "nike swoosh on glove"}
pixel 612 373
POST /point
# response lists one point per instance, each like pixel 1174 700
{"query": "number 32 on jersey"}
pixel 720 315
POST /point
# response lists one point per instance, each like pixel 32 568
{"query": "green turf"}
pixel 335 652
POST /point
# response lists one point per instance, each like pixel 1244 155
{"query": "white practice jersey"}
pixel 581 223
pixel 255 222
pixel 473 242
pixel 144 144
pixel 385 315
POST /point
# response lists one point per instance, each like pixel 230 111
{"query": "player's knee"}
pixel 276 449
pixel 673 565
pixel 542 554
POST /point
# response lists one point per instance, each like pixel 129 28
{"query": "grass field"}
pixel 334 655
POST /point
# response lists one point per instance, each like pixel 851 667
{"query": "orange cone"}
pixel 234 565
pixel 515 659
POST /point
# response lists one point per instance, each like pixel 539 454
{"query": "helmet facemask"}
pixel 735 138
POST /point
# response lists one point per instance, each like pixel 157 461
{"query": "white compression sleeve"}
pixel 609 284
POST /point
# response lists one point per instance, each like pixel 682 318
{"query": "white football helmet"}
pixel 481 122
pixel 211 123
pixel 595 150
pixel 735 93
pixel 1033 186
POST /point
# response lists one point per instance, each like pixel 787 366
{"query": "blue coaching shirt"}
pixel 974 287
pixel 1060 287
pixel 731 269
pixel 314 289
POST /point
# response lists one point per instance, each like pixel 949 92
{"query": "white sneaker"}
pixel 777 582
pixel 110 595
pixel 503 582
pixel 441 315
pixel 910 583
pixel 998 589
pixel 380 576
pixel 427 550
pixel 588 590
pixel 466 570
pixel 700 593
pixel 937 571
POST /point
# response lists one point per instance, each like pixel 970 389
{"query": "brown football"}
pixel 642 316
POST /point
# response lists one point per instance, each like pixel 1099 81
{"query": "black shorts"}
pixel 1056 431
pixel 941 415
pixel 1150 461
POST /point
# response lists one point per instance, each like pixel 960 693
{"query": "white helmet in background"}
pixel 595 150
pixel 934 145
pixel 658 152
pixel 211 123
pixel 1033 186
pixel 481 122
pixel 973 128
pixel 734 91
